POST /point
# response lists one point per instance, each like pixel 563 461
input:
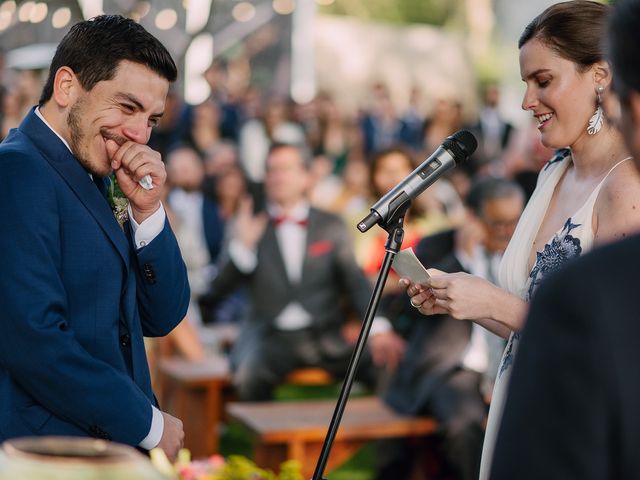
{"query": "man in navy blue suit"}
pixel 78 292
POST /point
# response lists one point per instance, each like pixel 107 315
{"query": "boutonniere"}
pixel 119 203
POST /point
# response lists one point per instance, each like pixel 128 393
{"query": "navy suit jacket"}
pixel 76 298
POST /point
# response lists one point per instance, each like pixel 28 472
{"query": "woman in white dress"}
pixel 586 195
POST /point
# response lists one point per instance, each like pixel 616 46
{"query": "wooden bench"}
pixel 197 392
pixel 296 430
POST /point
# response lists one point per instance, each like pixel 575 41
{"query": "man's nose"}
pixel 137 130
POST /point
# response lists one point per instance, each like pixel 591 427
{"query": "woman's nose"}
pixel 529 100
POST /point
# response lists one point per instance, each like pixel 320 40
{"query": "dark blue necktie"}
pixel 100 182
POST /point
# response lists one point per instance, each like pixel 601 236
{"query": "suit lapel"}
pixel 312 235
pixel 76 177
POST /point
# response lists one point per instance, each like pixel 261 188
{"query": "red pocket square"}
pixel 320 248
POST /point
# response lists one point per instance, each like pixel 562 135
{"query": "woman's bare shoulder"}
pixel 617 208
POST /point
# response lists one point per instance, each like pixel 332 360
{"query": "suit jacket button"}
pixel 125 340
pixel 99 433
pixel 149 274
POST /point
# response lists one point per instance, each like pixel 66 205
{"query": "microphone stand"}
pixel 394 227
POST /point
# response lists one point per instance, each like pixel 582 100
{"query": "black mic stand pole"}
pixel 394 227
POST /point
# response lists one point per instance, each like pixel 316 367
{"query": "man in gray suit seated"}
pixel 302 278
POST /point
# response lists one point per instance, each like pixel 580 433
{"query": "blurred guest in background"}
pixel 445 119
pixel 494 132
pixel 204 134
pixel 379 122
pixel 196 221
pixel 257 135
pixel 299 268
pixel 173 127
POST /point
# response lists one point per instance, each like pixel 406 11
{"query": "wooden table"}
pixel 296 430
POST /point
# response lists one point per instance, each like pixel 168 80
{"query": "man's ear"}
pixel 65 87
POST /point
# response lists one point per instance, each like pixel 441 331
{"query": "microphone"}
pixel 455 149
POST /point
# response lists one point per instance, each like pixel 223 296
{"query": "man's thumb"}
pixel 112 147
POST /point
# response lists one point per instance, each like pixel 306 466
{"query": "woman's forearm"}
pixel 507 314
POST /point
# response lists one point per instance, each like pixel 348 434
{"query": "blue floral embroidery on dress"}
pixel 563 247
pixel 507 360
pixel 560 155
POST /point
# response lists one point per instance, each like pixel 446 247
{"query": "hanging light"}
pixel 284 7
pixel 38 12
pixel 166 19
pixel 243 12
pixel 61 17
pixel 24 12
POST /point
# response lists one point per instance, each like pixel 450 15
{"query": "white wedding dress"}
pixel 575 237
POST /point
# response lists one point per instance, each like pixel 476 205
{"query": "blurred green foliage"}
pixel 432 12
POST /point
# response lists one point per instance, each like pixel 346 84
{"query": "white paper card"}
pixel 407 265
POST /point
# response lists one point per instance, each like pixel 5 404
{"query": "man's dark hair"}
pixel 486 189
pixel 622 46
pixel 302 150
pixel 93 49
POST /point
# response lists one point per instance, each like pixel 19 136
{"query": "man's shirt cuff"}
pixel 155 432
pixel 145 232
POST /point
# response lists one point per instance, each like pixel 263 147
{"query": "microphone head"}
pixel 462 144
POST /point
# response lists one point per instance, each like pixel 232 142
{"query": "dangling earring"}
pixel 595 122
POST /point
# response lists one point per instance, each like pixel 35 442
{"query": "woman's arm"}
pixel 468 297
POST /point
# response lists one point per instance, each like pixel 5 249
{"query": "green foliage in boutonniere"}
pixel 119 203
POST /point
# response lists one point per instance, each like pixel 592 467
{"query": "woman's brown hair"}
pixel 574 30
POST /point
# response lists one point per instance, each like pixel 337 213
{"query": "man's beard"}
pixel 77 135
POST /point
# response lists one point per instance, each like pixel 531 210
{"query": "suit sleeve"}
pixel 556 420
pixel 39 350
pixel 162 285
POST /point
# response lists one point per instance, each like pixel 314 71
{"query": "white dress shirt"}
pixel 477 356
pixel 292 240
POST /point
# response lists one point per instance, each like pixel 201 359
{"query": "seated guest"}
pixel 449 365
pixel 299 268
pixel 195 218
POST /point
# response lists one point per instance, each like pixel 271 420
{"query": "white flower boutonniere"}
pixel 119 203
